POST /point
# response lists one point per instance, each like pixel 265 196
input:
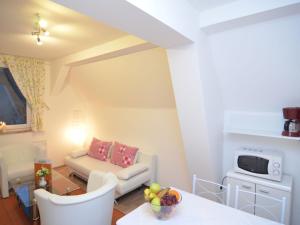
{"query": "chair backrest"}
pixel 15 153
pixel 211 190
pixel 266 205
pixel 93 208
pixel 96 180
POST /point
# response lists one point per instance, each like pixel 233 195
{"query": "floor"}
pixel 12 214
pixel 131 201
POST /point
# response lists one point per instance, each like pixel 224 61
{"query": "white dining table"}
pixel 194 210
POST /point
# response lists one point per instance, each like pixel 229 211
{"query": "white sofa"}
pixel 142 172
pixel 17 164
pixel 93 208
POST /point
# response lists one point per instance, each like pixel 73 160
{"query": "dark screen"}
pixel 253 164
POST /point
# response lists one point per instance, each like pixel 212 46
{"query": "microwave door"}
pixel 253 164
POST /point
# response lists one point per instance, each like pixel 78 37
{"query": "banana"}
pixel 163 192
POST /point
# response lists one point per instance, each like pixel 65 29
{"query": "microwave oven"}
pixel 259 162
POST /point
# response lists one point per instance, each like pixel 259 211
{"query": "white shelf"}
pixel 270 134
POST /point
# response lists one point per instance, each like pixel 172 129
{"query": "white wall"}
pixel 258 71
pixel 132 101
pixel 199 107
pixel 258 65
pixel 152 130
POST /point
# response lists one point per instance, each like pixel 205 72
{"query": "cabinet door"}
pixel 269 208
pixel 246 201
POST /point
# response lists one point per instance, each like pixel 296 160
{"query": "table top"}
pixel 194 210
pixel 60 185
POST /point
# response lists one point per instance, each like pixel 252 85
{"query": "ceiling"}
pixel 202 5
pixel 69 31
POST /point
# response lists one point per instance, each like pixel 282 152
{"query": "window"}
pixel 13 108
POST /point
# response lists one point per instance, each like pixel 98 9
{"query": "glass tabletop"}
pixel 60 185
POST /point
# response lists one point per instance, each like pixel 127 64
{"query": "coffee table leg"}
pixel 35 214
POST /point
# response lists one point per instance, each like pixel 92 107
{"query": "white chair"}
pixel 17 164
pixel 267 205
pixel 93 208
pixel 211 190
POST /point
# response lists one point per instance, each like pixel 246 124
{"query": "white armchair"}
pixel 17 164
pixel 93 208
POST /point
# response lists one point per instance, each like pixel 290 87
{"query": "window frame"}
pixel 19 127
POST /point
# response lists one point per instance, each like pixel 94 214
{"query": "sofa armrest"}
pixel 3 178
pixel 78 153
pixel 150 160
pixel 132 171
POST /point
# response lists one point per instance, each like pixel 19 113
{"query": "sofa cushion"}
pixel 123 155
pixel 124 186
pixel 99 149
pixel 85 164
pixel 131 171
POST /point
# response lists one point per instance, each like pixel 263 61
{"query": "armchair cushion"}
pixel 131 171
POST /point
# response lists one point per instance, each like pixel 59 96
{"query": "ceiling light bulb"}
pixel 43 23
pixel 46 33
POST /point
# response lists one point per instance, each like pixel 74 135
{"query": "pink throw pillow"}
pixel 99 149
pixel 123 155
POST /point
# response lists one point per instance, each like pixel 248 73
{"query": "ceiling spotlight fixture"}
pixel 40 29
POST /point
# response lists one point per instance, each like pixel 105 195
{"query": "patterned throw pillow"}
pixel 123 155
pixel 99 149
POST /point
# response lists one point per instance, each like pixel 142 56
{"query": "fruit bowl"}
pixel 164 212
pixel 162 201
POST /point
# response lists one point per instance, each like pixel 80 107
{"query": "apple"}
pixel 155 188
pixel 155 204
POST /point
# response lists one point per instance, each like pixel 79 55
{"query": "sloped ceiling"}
pixel 69 31
pixel 140 80
pixel 202 5
pixel 258 65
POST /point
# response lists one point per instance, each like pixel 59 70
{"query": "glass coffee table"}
pixel 60 185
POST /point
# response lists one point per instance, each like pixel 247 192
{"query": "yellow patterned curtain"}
pixel 30 75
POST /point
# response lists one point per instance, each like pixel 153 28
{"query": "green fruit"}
pixel 155 204
pixel 154 188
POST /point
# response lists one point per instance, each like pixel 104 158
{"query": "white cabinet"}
pixel 245 199
pixel 255 204
pixel 271 192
